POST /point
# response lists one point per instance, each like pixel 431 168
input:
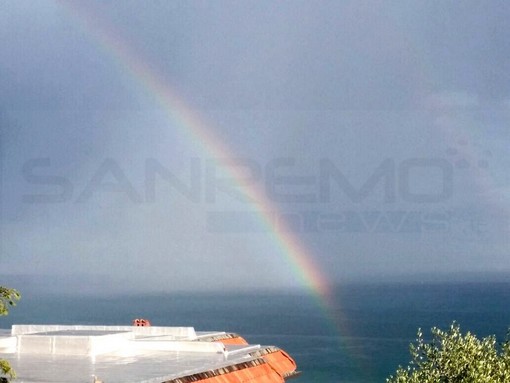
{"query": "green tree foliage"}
pixel 453 357
pixel 8 298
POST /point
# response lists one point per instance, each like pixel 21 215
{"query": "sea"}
pixel 364 339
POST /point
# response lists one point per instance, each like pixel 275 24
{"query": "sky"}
pixel 176 146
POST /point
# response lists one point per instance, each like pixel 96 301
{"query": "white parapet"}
pixel 187 333
pixel 74 343
pixel 97 340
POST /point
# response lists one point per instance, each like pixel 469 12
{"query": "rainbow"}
pixel 287 243
pixel 191 123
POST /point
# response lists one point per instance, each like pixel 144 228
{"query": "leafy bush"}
pixel 453 357
pixel 8 298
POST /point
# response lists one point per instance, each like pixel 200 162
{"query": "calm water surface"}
pixel 363 340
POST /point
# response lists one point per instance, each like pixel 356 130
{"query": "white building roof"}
pixel 54 353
